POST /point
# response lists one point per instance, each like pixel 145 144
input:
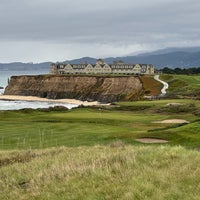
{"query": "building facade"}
pixel 102 68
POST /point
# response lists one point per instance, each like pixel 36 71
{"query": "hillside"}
pixel 182 86
pixel 159 59
pixel 169 57
pixel 116 171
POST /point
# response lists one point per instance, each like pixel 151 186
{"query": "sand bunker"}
pixel 151 140
pixel 173 121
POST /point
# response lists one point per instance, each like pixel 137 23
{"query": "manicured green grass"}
pixel 186 135
pixel 110 172
pixel 91 126
pixel 159 103
pixel 72 128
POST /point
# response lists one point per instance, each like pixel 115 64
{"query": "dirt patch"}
pixel 19 158
pixel 151 140
pixel 174 104
pixel 173 121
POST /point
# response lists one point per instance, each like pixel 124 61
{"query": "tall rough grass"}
pixel 112 172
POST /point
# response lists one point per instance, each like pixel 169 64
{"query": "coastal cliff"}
pixel 86 88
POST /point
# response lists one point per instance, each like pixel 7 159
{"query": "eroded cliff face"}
pixel 86 88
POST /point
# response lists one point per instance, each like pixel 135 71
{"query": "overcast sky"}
pixel 58 30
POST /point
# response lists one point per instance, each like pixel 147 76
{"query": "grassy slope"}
pixel 183 85
pixel 101 172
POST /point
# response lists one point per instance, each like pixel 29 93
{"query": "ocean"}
pixel 16 105
pixel 6 74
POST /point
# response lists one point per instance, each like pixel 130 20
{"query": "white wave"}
pixel 16 105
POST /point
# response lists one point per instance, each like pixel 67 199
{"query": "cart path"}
pixel 165 87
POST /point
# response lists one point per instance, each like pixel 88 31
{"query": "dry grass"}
pixel 151 86
pixel 112 172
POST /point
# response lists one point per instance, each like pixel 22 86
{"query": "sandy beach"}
pixel 33 98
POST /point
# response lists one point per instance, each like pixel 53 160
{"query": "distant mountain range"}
pixel 169 57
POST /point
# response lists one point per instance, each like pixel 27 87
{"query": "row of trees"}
pixel 193 70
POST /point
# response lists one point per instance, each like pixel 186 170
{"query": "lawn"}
pixel 72 128
pixel 126 121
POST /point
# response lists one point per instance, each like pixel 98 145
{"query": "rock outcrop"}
pixel 86 88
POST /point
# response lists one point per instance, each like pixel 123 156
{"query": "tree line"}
pixel 193 70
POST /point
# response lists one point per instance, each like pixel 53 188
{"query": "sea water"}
pixel 16 105
pixel 6 74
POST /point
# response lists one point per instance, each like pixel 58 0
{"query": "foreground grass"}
pixel 112 172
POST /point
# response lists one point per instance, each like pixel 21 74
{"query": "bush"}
pixel 54 108
pixel 177 108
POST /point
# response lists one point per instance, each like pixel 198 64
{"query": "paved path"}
pixel 165 87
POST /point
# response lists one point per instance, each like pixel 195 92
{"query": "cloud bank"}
pixel 41 30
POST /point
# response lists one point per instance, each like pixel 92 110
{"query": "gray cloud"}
pixel 87 27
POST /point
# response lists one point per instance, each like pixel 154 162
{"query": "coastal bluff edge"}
pixel 85 88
